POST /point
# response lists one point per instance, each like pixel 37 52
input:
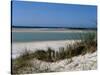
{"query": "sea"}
pixel 47 36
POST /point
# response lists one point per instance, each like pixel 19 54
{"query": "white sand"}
pixel 48 30
pixel 19 48
pixel 86 62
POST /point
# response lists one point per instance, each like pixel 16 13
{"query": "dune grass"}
pixel 88 44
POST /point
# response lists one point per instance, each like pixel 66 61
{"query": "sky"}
pixel 26 13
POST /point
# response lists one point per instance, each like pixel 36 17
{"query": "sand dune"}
pixel 78 63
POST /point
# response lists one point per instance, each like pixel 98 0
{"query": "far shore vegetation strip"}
pixel 73 28
pixel 88 44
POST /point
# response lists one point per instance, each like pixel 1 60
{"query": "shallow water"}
pixel 46 36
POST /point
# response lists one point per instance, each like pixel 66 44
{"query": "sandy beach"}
pixel 19 47
pixel 47 30
pixel 77 63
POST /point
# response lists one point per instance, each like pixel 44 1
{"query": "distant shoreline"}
pixel 48 30
pixel 39 27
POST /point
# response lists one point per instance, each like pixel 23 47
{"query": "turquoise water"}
pixel 45 36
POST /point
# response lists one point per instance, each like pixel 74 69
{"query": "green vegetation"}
pixel 88 44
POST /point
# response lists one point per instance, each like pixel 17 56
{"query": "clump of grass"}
pixel 45 55
pixel 90 42
pixel 22 61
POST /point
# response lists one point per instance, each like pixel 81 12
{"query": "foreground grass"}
pixel 88 44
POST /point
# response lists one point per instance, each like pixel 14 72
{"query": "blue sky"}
pixel 26 13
